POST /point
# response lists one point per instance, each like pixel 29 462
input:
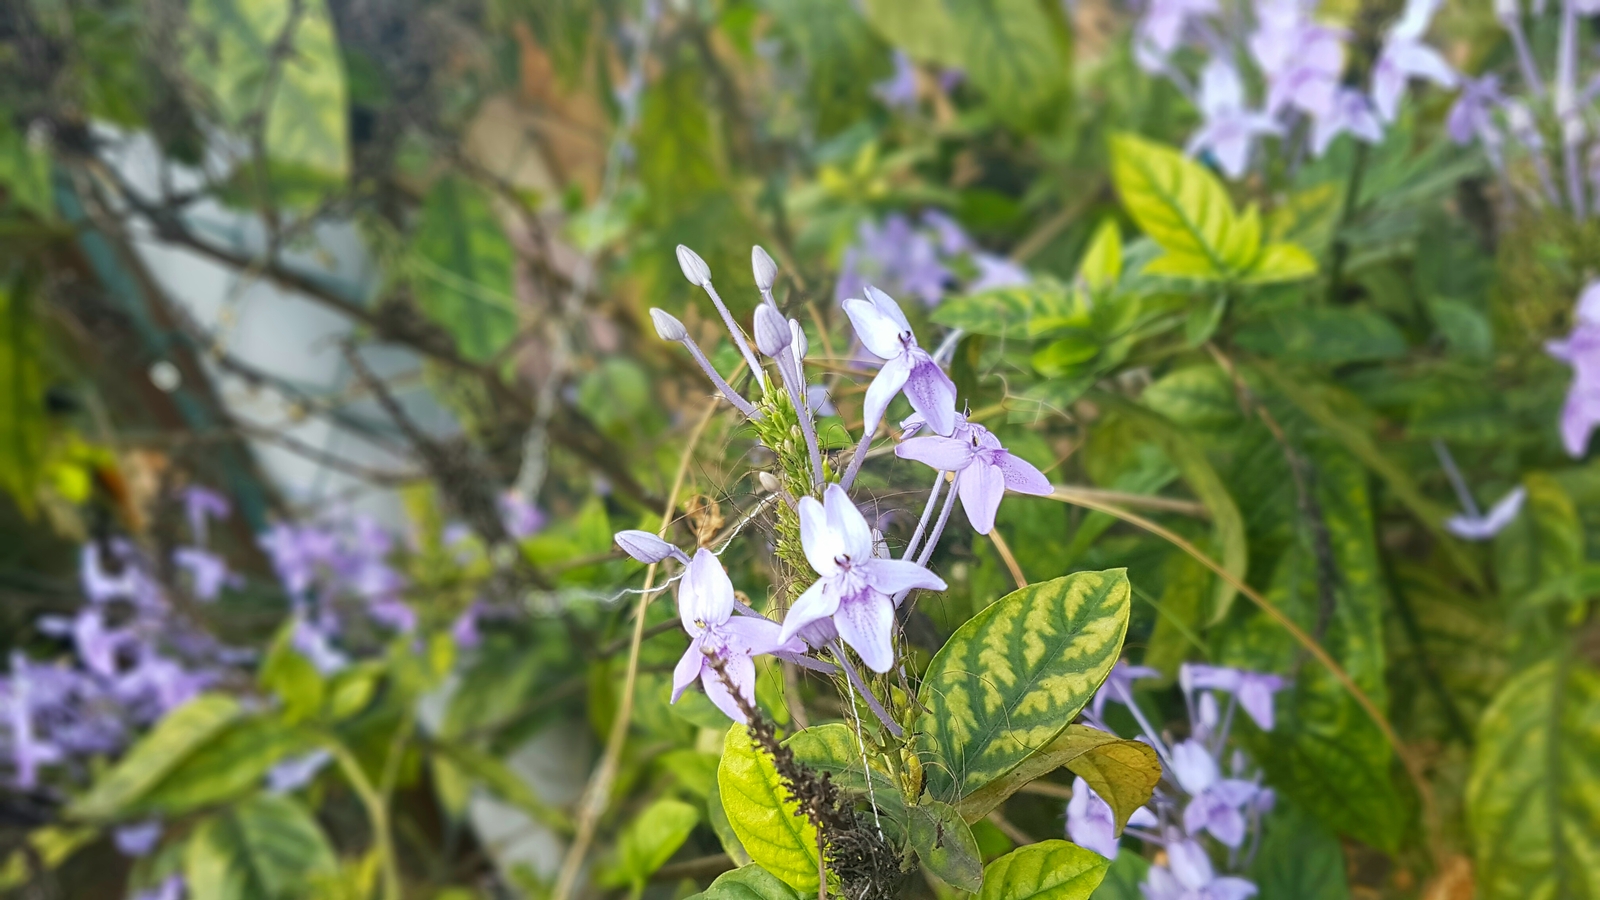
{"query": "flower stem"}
pixel 377 814
pixel 858 458
pixel 727 390
pixel 735 331
pixel 938 528
pixel 794 381
pixel 927 513
pixel 866 693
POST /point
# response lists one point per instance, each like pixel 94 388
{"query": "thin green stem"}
pixel 377 813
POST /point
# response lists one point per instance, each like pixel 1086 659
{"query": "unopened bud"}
pixel 766 270
pixel 694 268
pixel 797 339
pixel 769 482
pixel 772 333
pixel 668 326
pixel 646 547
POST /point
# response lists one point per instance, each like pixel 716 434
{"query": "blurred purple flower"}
pixel 984 469
pixel 96 644
pixel 899 91
pixel 315 643
pixel 1352 114
pixel 201 504
pixel 1254 690
pixel 1405 56
pixel 465 628
pixel 1472 115
pixel 28 750
pixel 521 518
pixel 952 237
pixel 996 272
pixel 297 552
pixel 173 888
pixel 1188 875
pixel 100 585
pixel 139 839
pixel 158 684
pixel 1473 527
pixel 1230 128
pixel 855 587
pixel 1215 801
pixel 1119 684
pixel 884 331
pixel 1091 824
pixel 1581 351
pixel 705 606
pixel 296 772
pixel 393 613
pixel 1300 60
pixel 1161 28
pixel 207 571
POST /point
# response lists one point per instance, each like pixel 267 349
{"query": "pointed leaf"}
pixel 1123 772
pixel 946 846
pixel 649 841
pixel 164 749
pixel 1048 870
pixel 1281 262
pixel 749 882
pixel 1184 208
pixel 266 848
pixel 762 815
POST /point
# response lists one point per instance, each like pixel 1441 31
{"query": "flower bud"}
pixel 766 270
pixel 667 326
pixel 694 268
pixel 769 482
pixel 646 547
pixel 772 333
pixel 797 339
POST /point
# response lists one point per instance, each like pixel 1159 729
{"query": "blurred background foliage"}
pixel 389 261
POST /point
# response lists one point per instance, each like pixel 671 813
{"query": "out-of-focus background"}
pixel 327 374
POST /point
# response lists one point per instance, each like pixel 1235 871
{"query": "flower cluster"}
pixel 851 602
pixel 924 259
pixel 1195 800
pixel 1303 64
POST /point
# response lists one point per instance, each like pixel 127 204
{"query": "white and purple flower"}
pixel 984 469
pixel 717 638
pixel 884 331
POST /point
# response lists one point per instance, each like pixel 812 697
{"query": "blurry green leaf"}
pixel 749 882
pixel 1101 266
pixel 174 739
pixel 1281 262
pixel 1205 316
pixel 763 817
pixel 1065 357
pixel 1459 410
pixel 1123 772
pixel 231 52
pixel 24 172
pixel 1183 207
pixel 718 817
pixel 1122 879
pixel 1180 615
pixel 1465 329
pixel 1299 860
pixel 679 154
pixel 265 848
pixel 499 779
pixel 924 31
pixel 296 682
pixel 460 267
pixel 1048 870
pixel 615 393
pixel 1543 544
pixel 833 749
pixel 47 847
pixel 839 53
pixel 350 690
pixel 1195 397
pixel 1012 678
pixel 1331 335
pixel 1010 311
pixel 22 414
pixel 648 841
pixel 946 846
pixel 1533 800
pixel 229 765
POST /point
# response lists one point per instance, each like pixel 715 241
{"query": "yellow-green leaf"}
pixel 1102 262
pixel 1123 772
pixel 649 841
pixel 266 848
pixel 165 748
pixel 1012 678
pixel 762 815
pixel 1281 262
pixel 1533 800
pixel 1184 208
pixel 750 882
pixel 946 846
pixel 1048 870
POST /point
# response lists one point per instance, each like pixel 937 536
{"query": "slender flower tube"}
pixel 648 548
pixel 855 587
pixel 699 274
pixel 774 337
pixel 670 329
pixel 705 606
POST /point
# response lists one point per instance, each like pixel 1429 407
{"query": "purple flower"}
pixel 647 548
pixel 28 750
pixel 201 504
pixel 465 628
pixel 855 587
pixel 296 553
pixel 1405 56
pixel 96 644
pixel 1215 801
pixel 173 888
pixel 984 469
pixel 952 237
pixel 1254 690
pixel 520 517
pixel 897 255
pixel 1229 128
pixel 1473 527
pixel 139 839
pixel 100 585
pixel 705 606
pixel 996 272
pixel 1119 684
pixel 1350 113
pixel 899 91
pixel 296 772
pixel 884 331
pixel 158 683
pixel 1162 26
pixel 1581 351
pixel 1301 60
pixel 314 641
pixel 1472 115
pixel 207 571
pixel 1091 824
pixel 1188 876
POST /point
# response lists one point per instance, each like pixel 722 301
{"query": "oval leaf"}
pixel 749 883
pixel 1123 772
pixel 266 848
pixel 649 841
pixel 946 846
pixel 762 815
pixel 1184 208
pixel 1011 679
pixel 1048 870
pixel 165 748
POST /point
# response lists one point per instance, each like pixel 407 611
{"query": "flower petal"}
pixel 890 310
pixel 741 670
pixel 757 635
pixel 822 545
pixel 818 602
pixel 1190 864
pixel 687 670
pixel 981 486
pixel 866 623
pixel 705 596
pixel 942 453
pixel 845 521
pixel 932 393
pixel 1020 475
pixel 1230 888
pixel 1193 767
pixel 878 333
pixel 888 382
pixel 891 576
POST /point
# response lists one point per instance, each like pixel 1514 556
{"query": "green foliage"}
pixel 1299 859
pixel 750 882
pixel 265 848
pixel 158 753
pixel 22 417
pixel 1533 800
pixel 649 841
pixel 763 817
pixel 1011 679
pixel 1048 870
pixel 945 845
pixel 460 267
pixel 1122 772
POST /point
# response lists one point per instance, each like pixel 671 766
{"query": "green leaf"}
pixel 1533 799
pixel 1123 772
pixel 1184 208
pixel 1330 335
pixel 1300 859
pixel 227 766
pixel 1048 870
pixel 174 739
pixel 461 266
pixel 718 817
pixel 649 841
pixel 1122 879
pixel 231 54
pixel 762 815
pixel 265 848
pixel 351 690
pixel 1281 262
pixel 25 172
pixel 1012 678
pixel 1199 397
pixel 22 414
pixel 475 765
pixel 946 846
pixel 833 749
pixel 1011 311
pixel 293 678
pixel 749 882
pixel 1101 265
pixel 1543 545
